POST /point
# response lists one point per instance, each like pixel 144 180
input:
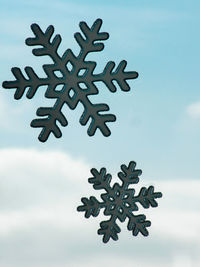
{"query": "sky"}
pixel 157 126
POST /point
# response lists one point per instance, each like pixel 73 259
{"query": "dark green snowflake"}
pixel 70 80
pixel 119 202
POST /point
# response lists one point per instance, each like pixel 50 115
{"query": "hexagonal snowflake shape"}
pixel 70 79
pixel 119 202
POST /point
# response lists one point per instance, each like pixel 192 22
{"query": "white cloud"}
pixel 37 175
pixel 193 110
pixel 39 193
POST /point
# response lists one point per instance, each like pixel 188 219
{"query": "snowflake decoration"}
pixel 74 74
pixel 119 202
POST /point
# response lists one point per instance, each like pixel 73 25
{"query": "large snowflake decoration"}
pixel 70 80
pixel 119 202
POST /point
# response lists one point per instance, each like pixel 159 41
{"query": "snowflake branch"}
pixel 21 83
pixel 147 196
pixel 49 123
pixel 98 120
pixel 138 224
pixel 129 174
pixel 119 75
pixel 92 35
pixel 91 206
pixel 43 39
pixel 109 229
pixel 100 180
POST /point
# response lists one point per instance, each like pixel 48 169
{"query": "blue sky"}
pixel 158 121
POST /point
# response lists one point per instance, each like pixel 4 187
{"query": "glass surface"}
pixel 157 126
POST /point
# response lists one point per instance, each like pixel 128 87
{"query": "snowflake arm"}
pixel 129 175
pixel 109 229
pixel 147 196
pixel 119 202
pixel 119 75
pixel 100 180
pixel 21 83
pixel 48 124
pixel 91 206
pixel 92 35
pixel 138 224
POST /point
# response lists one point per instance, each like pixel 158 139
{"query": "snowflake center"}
pixel 118 200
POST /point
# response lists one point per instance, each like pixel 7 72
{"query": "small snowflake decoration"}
pixel 119 202
pixel 70 80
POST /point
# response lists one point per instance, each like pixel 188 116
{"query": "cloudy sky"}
pixel 158 126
